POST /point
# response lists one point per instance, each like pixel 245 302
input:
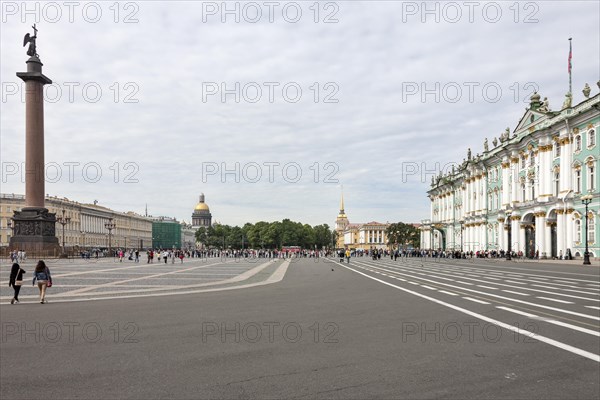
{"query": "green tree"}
pixel 400 234
pixel 201 236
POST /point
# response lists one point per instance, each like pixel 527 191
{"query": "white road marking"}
pixel 510 299
pixel 551 321
pixel 449 293
pixel 464 283
pixel 487 287
pixel 593 307
pixel 428 287
pixel 533 335
pixel 476 300
pixel 557 300
pixel 519 293
pixel 518 283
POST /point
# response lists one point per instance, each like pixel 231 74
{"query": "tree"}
pixel 201 236
pixel 400 233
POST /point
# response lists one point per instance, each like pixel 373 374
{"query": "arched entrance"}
pixel 442 237
pixel 529 226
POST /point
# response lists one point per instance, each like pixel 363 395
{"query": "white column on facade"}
pixel 479 196
pixel 565 165
pixel 547 239
pixel 546 175
pixel 477 188
pixel 486 235
pixel 540 233
pixel 541 175
pixel 471 199
pixel 522 241
pixel 484 183
pixel 505 200
pixel 569 230
pixel 500 234
pixel 567 154
pixel 560 232
pixel 465 198
pixel 514 165
pixel 514 233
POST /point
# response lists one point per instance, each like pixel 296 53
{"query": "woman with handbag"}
pixel 16 280
pixel 44 279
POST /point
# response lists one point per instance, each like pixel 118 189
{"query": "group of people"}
pixel 41 275
pixel 17 255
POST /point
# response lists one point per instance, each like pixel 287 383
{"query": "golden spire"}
pixel 342 214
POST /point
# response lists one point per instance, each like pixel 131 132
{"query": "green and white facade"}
pixel 532 179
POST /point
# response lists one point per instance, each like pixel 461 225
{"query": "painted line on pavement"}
pixel 524 332
pixel 551 321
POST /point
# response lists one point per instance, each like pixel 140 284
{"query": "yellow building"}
pixel 365 236
pixel 86 227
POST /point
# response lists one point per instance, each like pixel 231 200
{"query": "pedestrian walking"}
pixel 16 280
pixel 348 255
pixel 43 278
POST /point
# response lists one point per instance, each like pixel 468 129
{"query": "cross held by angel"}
pixel 32 50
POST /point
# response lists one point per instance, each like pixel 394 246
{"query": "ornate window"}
pixel 578 230
pixel 531 159
pixel 556 183
pixel 591 177
pixel 578 180
pixel 556 150
pixel 523 193
pixel 578 143
pixel 591 228
pixel 532 188
pixel 591 142
pixel 523 162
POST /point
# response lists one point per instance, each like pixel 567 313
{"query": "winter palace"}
pixel 529 184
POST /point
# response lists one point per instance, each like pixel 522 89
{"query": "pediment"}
pixel 530 119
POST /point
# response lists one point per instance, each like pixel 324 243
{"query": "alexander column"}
pixel 34 226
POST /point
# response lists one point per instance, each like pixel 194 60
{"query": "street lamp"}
pixel 508 257
pixel 586 200
pixel 63 221
pixel 110 226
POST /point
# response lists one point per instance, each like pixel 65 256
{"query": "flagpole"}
pixel 570 67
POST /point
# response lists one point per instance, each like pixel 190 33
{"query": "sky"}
pixel 271 109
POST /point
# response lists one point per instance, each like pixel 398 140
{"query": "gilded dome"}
pixel 201 207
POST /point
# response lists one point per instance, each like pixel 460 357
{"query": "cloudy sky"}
pixel 269 108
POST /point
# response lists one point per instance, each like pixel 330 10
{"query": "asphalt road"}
pixel 411 329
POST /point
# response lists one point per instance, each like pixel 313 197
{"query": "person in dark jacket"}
pixel 44 279
pixel 16 280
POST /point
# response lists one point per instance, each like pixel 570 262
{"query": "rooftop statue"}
pixel 545 107
pixel 568 100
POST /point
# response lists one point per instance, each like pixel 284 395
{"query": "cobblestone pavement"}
pixel 77 279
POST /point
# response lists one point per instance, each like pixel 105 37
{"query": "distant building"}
pixel 87 225
pixel 201 217
pixel 188 236
pixel 166 233
pixel 525 190
pixel 365 236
